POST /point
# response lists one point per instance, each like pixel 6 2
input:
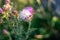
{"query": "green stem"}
pixel 10 37
pixel 52 26
pixel 27 35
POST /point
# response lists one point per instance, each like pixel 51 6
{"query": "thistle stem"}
pixel 27 35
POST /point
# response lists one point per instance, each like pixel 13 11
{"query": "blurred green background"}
pixel 43 22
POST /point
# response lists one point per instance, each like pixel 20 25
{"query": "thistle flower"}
pixel 27 13
pixel 1 10
pixel 5 31
pixel 7 1
pixel 14 12
pixel 6 7
pixel 30 9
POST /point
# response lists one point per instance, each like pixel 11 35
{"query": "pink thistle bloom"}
pixel 30 9
pixel 7 1
pixel 26 13
pixel 1 10
pixel 5 31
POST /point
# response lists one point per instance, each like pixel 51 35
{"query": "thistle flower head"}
pixel 6 7
pixel 26 13
pixel 7 1
pixel 14 12
pixel 30 9
pixel 1 10
pixel 5 31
